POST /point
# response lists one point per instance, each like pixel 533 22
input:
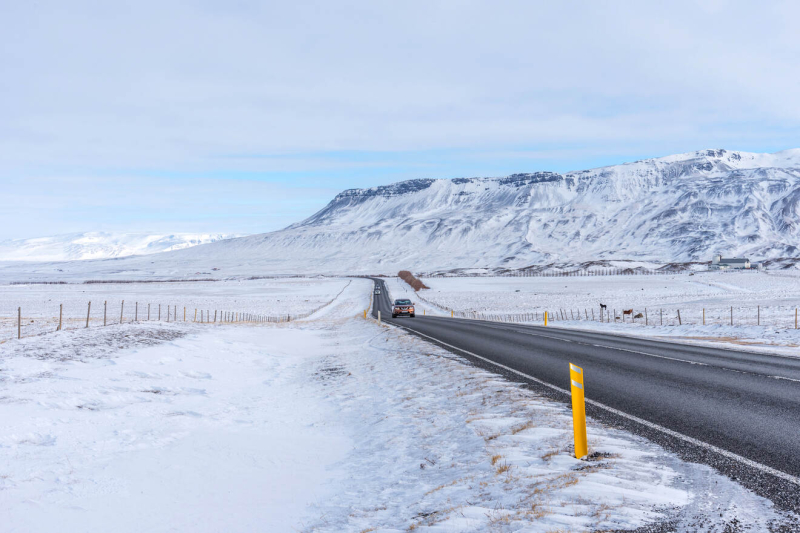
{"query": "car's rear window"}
pixel 402 302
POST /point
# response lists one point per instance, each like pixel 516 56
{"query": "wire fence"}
pixel 779 316
pixel 17 322
pixel 579 272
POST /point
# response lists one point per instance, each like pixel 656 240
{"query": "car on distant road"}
pixel 403 307
pixel 377 291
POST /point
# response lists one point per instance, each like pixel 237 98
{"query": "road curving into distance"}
pixel 736 411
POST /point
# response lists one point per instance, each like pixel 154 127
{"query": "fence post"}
pixel 661 312
pixel 195 315
pixel 121 311
pixel 105 312
pixel 759 316
pixel 136 312
pixel 148 312
pixel 60 314
pixel 215 316
pixel 645 317
pixel 704 316
pixel 679 318
pixel 379 316
pixel 88 312
pixel 19 322
pixel 795 318
pixel 159 311
pixel 731 315
pixel 184 313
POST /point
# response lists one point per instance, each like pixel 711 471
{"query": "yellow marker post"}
pixel 365 313
pixel 451 313
pixel 545 318
pixel 578 410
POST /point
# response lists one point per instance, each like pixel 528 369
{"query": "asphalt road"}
pixel 746 406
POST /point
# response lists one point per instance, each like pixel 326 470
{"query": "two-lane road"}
pixel 737 411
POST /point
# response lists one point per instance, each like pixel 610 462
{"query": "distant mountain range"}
pixel 679 208
pixel 96 245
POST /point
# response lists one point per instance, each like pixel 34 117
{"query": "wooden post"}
pixel 795 318
pixel 105 312
pixel 572 314
pixel 148 311
pixel 19 322
pixel 159 311
pixel 215 316
pixel 615 316
pixel 731 315
pixel 60 315
pixel 195 315
pixel 586 313
pixel 704 316
pixel 121 311
pixel 759 315
pixel 175 314
pixel 661 312
pixel 136 312
pixel 645 317
pixel 88 312
pixel 679 318
pixel 184 313
pixel 592 313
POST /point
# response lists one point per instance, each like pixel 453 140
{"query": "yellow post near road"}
pixel 365 313
pixel 545 318
pixel 578 410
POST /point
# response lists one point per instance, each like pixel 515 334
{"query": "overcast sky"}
pixel 243 117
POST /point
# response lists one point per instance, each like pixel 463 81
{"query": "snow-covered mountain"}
pixel 683 207
pixel 97 245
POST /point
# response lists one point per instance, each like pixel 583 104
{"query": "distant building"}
pixel 726 263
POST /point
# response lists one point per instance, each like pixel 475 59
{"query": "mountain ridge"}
pixel 679 208
pixel 100 245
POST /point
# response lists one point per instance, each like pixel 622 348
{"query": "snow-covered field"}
pixel 330 423
pixel 763 304
pixel 39 304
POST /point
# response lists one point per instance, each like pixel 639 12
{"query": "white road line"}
pixel 758 466
pixel 698 363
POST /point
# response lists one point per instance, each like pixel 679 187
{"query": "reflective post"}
pixel 578 410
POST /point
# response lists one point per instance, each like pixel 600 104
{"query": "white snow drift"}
pixel 331 424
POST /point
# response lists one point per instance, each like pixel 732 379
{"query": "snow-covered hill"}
pixel 679 208
pixel 97 245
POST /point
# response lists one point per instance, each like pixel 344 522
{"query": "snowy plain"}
pixel 330 423
pixel 764 304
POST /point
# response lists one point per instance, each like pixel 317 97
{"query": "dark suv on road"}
pixel 403 307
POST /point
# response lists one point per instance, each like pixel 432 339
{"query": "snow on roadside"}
pixel 327 424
